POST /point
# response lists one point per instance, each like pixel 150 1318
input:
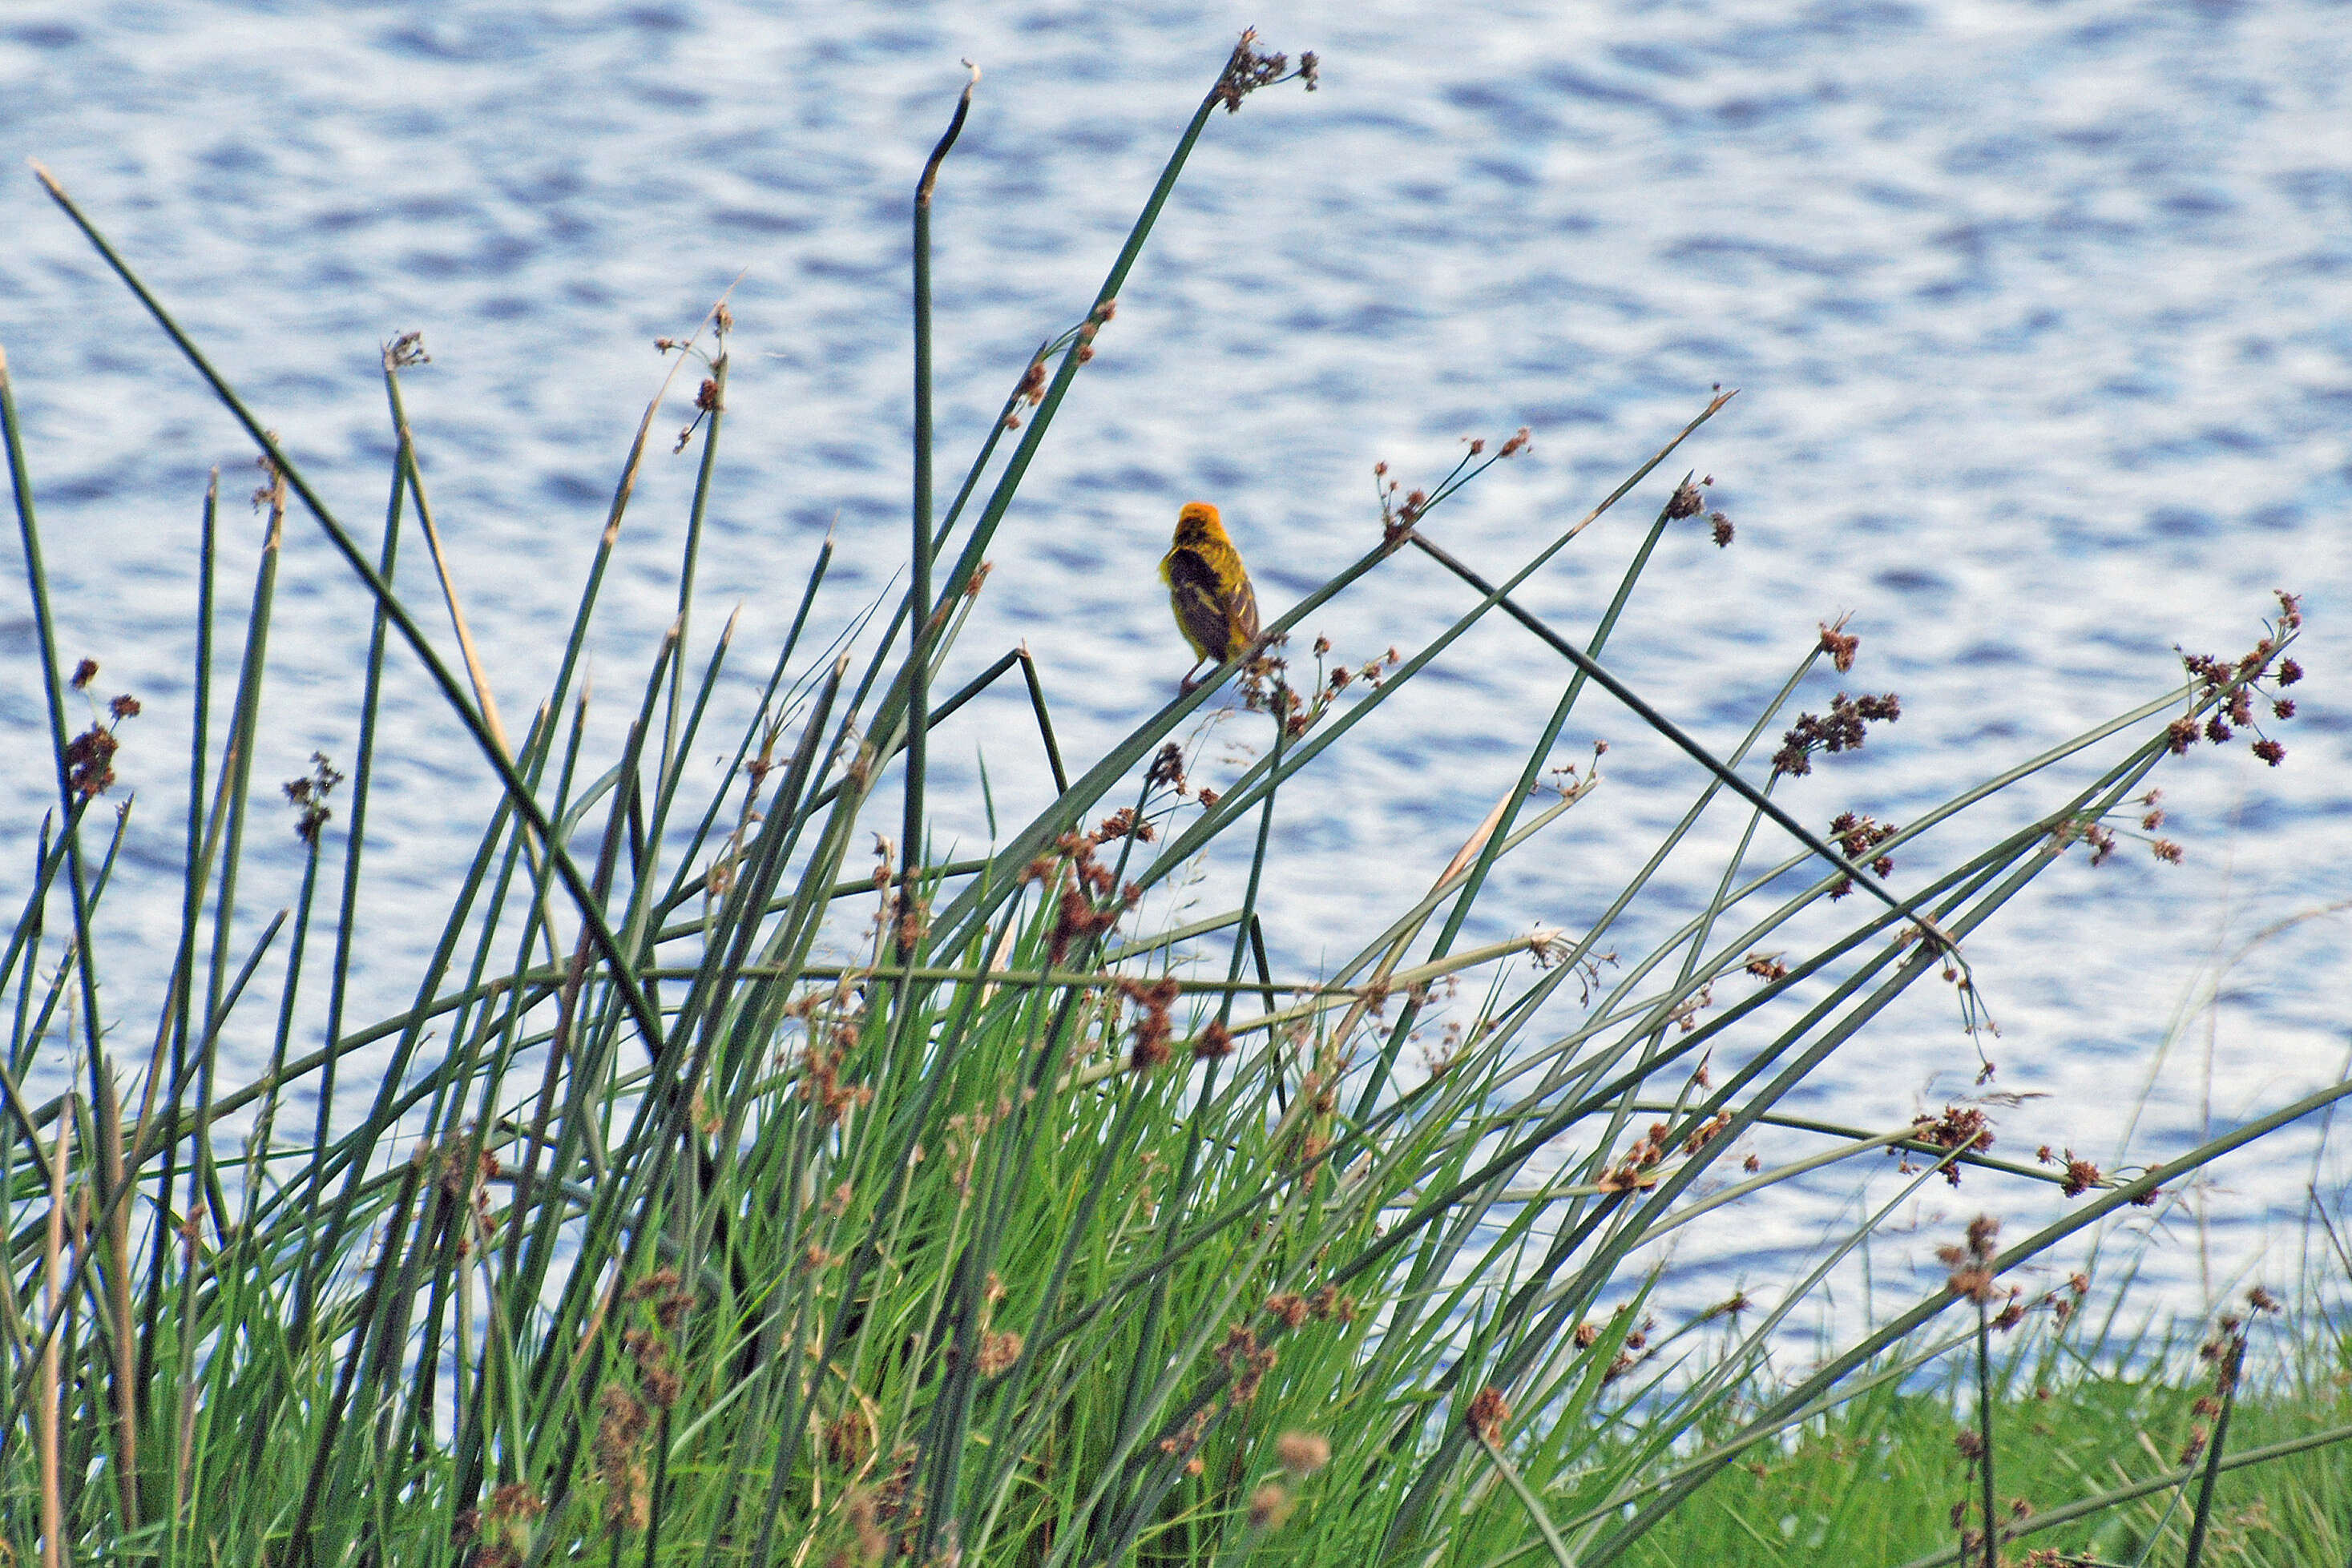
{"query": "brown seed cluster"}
pixel 2228 689
pixel 89 756
pixel 1843 728
pixel 1840 645
pixel 1124 823
pixel 1972 1265
pixel 1636 1170
pixel 1266 687
pixel 621 1423
pixel 1244 1361
pixel 307 796
pixel 2063 1302
pixel 848 1438
pixel 1030 391
pixel 624 1413
pixel 463 1185
pixel 821 1084
pixel 2082 1175
pixel 2104 840
pixel 1857 836
pixel 1706 1131
pixel 1167 770
pixel 1962 1127
pixel 1079 916
pixel 1688 501
pixel 1248 70
pixel 1488 1415
pixel 1152 1023
pixel 999 1350
pixel 89 761
pixel 1632 1351
pixel 502 1528
pixel 1302 1453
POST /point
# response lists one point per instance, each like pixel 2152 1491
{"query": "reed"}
pixel 1025 1236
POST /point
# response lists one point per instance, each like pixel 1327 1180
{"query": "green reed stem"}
pixel 673 750
pixel 53 690
pixel 362 781
pixel 919 592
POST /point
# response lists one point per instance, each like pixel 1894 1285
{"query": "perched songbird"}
pixel 1209 589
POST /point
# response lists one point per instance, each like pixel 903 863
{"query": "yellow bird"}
pixel 1209 589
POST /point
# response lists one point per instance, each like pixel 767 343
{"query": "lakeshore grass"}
pixel 1024 1235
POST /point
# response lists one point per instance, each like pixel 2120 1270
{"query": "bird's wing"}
pixel 1242 606
pixel 1199 602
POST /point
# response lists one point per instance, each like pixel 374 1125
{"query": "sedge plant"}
pixel 663 1233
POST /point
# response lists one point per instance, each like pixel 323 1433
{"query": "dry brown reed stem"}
pixel 53 1275
pixel 185 1435
pixel 1377 988
pixel 125 1347
pixel 475 673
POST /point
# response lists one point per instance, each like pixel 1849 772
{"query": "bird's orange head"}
pixel 1198 524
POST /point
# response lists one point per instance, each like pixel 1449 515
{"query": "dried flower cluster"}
pixel 2082 1175
pixel 1487 1414
pixel 1857 836
pixel 1153 1025
pixel 1636 1170
pixel 502 1529
pixel 463 1176
pixel 307 796
pixel 1972 1265
pixel 1030 391
pixel 1842 729
pixel 89 756
pixel 1302 1453
pixel 1840 645
pixel 624 1413
pixel 1962 1127
pixel 2102 839
pixel 407 349
pixel 1688 501
pixel 1080 917
pixel 2231 686
pixel 1248 70
pixel 1632 1351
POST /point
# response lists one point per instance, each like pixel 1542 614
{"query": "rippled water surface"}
pixel 2041 316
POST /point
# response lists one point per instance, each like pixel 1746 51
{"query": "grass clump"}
pixel 2107 1452
pixel 1023 1236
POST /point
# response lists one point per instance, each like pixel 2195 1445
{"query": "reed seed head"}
pixel 1302 1453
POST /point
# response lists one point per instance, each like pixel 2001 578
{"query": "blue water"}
pixel 2041 316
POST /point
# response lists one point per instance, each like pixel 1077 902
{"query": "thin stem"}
pixel 919 592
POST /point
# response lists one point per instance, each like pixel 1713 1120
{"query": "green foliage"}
pixel 1876 1481
pixel 1024 1238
